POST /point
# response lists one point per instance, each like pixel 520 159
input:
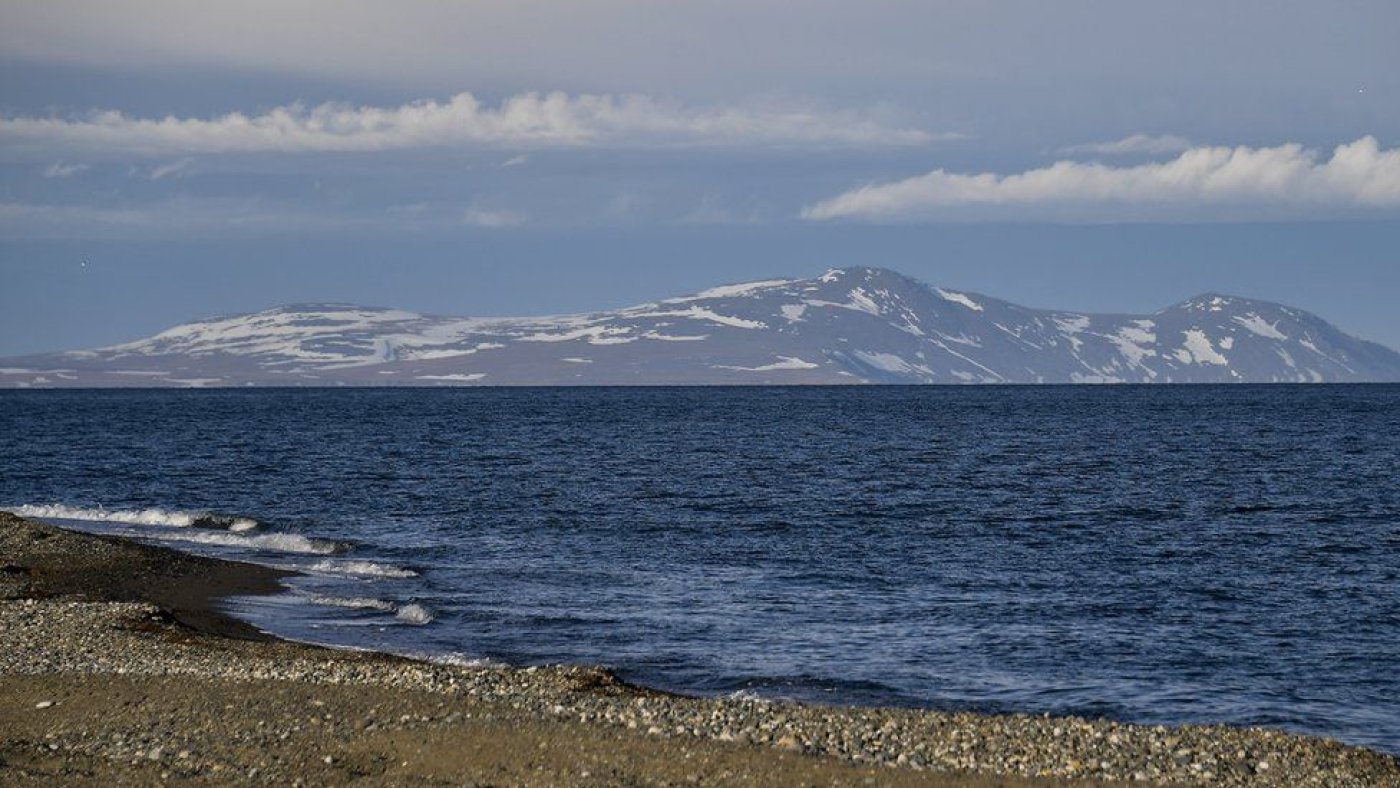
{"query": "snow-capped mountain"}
pixel 856 325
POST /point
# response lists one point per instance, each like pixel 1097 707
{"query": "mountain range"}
pixel 852 325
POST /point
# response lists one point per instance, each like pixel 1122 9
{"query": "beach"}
pixel 118 665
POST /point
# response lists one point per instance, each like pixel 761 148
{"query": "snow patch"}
pixel 1070 326
pixel 596 335
pixel 888 362
pixel 674 337
pixel 863 302
pixel 1200 349
pixel 700 313
pixel 793 312
pixel 1073 324
pixel 1260 326
pixel 783 362
pixel 1132 342
pixel 408 350
pixel 958 298
pixel 744 288
pixel 459 378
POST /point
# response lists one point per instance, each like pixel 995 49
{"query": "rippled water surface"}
pixel 1150 554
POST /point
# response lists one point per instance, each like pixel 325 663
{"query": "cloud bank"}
pixel 1217 181
pixel 524 120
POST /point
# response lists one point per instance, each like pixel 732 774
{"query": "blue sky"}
pixel 531 156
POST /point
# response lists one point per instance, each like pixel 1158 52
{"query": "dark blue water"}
pixel 1161 554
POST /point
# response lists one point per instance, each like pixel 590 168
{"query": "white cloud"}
pixel 527 119
pixel 61 170
pixel 175 169
pixel 1137 143
pixel 481 217
pixel 1212 182
pixel 515 161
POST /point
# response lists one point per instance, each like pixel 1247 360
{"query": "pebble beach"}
pixel 118 666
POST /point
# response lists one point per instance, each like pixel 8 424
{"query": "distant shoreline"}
pixel 117 653
pixel 858 325
pixel 725 386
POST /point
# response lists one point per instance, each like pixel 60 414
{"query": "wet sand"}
pixel 116 666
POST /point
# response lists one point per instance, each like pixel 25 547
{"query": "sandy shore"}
pixel 115 666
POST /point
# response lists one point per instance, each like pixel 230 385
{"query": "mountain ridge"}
pixel 847 326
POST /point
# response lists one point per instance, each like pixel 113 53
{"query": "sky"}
pixel 164 161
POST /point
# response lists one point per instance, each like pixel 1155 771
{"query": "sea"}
pixel 1171 554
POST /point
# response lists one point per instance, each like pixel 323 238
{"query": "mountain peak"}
pixel 865 273
pixel 1211 301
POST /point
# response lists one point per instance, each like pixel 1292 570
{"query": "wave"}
pixel 416 614
pixel 354 602
pixel 281 543
pixel 174 518
pixel 360 569
pixel 748 696
pixel 411 613
pixel 457 659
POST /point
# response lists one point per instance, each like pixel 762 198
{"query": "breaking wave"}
pixel 411 613
pixel 174 518
pixel 360 569
pixel 457 659
pixel 354 602
pixel 415 614
pixel 279 543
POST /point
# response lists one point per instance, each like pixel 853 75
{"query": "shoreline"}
pixel 118 665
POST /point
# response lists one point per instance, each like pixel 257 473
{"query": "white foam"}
pixel 415 614
pixel 360 569
pixel 354 602
pixel 459 660
pixel 281 543
pixel 151 516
